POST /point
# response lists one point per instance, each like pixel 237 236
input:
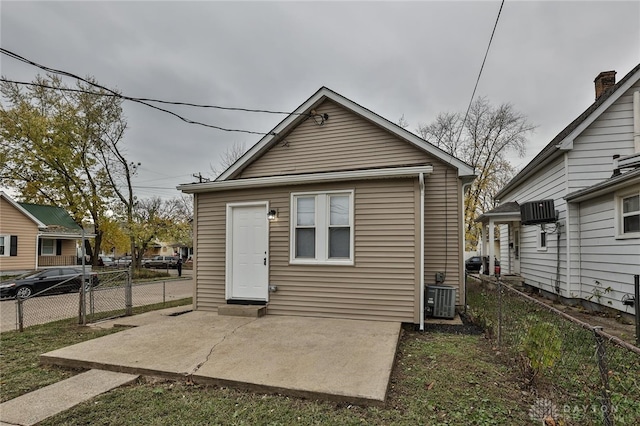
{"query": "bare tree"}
pixel 228 157
pixel 483 141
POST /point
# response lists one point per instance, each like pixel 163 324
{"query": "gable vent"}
pixel 535 212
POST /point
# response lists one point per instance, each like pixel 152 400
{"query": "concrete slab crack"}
pixel 197 367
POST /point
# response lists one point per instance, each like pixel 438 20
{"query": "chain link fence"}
pixel 579 374
pixel 111 294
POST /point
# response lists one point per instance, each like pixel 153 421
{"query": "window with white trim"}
pixel 322 227
pixel 4 245
pixel 48 247
pixel 8 245
pixel 628 215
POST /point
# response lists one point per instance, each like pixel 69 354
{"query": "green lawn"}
pixel 439 379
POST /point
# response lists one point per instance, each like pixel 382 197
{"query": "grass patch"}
pixel 20 371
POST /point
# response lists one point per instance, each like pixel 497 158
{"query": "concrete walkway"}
pixel 344 360
pixel 34 407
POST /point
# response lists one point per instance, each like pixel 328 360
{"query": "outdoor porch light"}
pixel 273 213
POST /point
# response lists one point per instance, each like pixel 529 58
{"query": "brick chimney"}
pixel 603 81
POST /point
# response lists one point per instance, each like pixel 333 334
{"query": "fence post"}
pixel 128 295
pixel 499 312
pixel 164 292
pixel 636 305
pixel 604 377
pixel 20 315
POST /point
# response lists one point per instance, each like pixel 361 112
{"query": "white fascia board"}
pixel 587 194
pixel 324 93
pixel 567 142
pixel 22 209
pixel 397 172
pixel 64 236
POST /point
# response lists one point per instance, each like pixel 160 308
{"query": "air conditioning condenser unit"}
pixel 440 301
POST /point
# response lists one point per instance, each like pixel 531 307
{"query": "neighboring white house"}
pixel 591 171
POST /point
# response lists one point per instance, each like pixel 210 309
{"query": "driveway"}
pixel 344 360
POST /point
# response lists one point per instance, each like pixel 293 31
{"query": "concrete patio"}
pixel 342 360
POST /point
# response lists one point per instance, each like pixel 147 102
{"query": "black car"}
pixel 473 264
pixel 56 280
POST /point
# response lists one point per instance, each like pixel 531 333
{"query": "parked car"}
pixel 57 280
pixel 161 262
pixel 474 263
pixel 123 261
pixel 106 261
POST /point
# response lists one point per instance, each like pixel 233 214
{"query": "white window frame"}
pixel 541 246
pixel 620 215
pixel 53 246
pixel 322 226
pixel 6 245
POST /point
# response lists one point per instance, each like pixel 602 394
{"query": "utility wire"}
pixel 143 101
pixel 479 74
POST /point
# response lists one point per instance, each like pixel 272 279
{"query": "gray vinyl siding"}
pixel 537 267
pixel 345 142
pixel 590 161
pixel 381 285
pixel 604 259
pixel 443 244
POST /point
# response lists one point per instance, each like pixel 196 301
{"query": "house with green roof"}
pixel 34 236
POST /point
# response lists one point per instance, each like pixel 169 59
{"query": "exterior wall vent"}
pixel 535 212
pixel 440 301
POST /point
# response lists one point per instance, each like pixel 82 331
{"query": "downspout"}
pixel 636 121
pixel 421 178
pixel 464 243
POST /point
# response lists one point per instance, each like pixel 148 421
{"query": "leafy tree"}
pixel 483 141
pixel 155 220
pixel 53 140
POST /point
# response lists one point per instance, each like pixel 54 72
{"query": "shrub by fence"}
pixel 579 373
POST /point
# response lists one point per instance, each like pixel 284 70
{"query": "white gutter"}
pixel 421 177
pixel 636 121
pixel 225 185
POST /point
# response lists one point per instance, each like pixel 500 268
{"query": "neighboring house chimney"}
pixel 603 81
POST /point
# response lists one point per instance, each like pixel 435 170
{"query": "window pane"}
pixel 631 204
pixel 632 224
pixel 306 242
pixel 1 246
pixel 306 213
pixel 543 239
pixel 47 246
pixel 339 208
pixel 339 241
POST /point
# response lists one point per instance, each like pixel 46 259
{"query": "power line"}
pixel 480 73
pixel 113 93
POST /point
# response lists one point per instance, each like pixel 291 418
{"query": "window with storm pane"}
pixel 305 227
pixel 339 229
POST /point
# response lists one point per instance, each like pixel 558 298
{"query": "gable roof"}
pixel 22 210
pixel 54 218
pixel 564 140
pixel 304 111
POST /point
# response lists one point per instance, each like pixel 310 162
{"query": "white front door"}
pixel 516 248
pixel 247 246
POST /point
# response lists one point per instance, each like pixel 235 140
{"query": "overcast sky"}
pixel 395 58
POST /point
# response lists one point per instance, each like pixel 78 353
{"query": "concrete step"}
pixel 252 311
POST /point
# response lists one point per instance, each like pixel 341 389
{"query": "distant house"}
pixel 34 236
pixel 336 213
pixel 591 171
